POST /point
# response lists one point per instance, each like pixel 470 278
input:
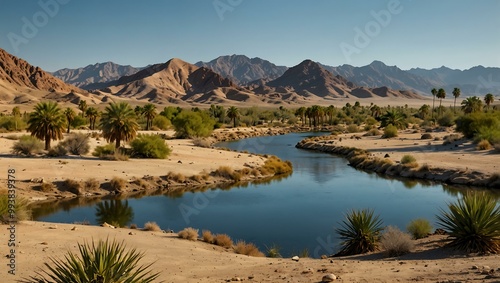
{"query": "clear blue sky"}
pixel 421 33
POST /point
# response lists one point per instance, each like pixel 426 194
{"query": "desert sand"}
pixel 181 260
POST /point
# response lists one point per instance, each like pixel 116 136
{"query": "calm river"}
pixel 294 213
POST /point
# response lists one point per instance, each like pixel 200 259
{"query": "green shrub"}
pixel 108 152
pixel 395 242
pixel 473 223
pixel 22 211
pixel 10 123
pixel 390 132
pixel 78 121
pixel 102 262
pixel 406 159
pixel 492 135
pixel 372 132
pixel 487 123
pixel 27 145
pixel 57 151
pixel 149 146
pixel 189 124
pixel 419 228
pixel 161 122
pixel 359 232
pixel 447 120
pixel 188 234
pixel 77 143
pixel 273 252
pixel 353 128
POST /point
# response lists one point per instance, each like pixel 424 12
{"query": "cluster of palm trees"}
pixel 316 114
pixel 118 121
pixel 469 105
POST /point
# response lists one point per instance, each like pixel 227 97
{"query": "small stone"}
pixel 130 233
pixel 53 227
pixel 235 279
pixel 308 271
pixel 474 267
pixel 295 258
pixel 324 257
pixel 387 155
pixel 251 277
pixel 486 268
pixel 107 225
pixel 74 228
pixel 44 243
pixel 329 278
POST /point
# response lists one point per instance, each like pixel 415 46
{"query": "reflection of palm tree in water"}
pixel 115 212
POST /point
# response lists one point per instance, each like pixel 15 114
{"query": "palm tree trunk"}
pixel 433 99
pixel 47 142
pixel 234 122
pixel 117 144
pixel 69 124
pixel 147 124
pixel 440 101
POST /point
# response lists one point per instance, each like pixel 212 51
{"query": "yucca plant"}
pixel 360 232
pixel 104 262
pixel 473 223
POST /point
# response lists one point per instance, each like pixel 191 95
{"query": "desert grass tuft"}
pixel 188 234
pixel 207 236
pixel 483 145
pixel 396 242
pixel 118 184
pixel 151 226
pixel 248 249
pixel 47 187
pixel 223 240
pixel 419 228
pixel 73 186
pixel 91 184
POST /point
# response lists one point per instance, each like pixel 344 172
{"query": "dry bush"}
pixel 228 173
pixel 248 249
pixel 118 184
pixel 197 178
pixel 176 177
pixel 424 168
pixel 451 138
pixel 77 143
pixel 27 145
pixel 91 184
pixel 207 236
pixel 497 147
pixel 372 132
pixel 483 145
pixel 409 161
pixel 133 226
pixel 353 128
pixel 223 240
pixel 189 234
pixel 47 187
pixel 202 142
pixel 275 166
pixel 151 226
pixel 426 136
pixel 58 150
pixel 395 242
pixel 73 186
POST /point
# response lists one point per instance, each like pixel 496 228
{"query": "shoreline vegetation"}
pixel 363 159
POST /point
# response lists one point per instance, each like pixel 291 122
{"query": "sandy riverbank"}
pixel 186 261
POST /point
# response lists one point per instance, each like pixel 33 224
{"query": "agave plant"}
pixel 360 232
pixel 473 223
pixel 103 262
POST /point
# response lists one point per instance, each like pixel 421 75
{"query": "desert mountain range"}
pixel 254 72
pixel 180 82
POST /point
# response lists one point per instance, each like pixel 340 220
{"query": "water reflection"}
pixel 115 212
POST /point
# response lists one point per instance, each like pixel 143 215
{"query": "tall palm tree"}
pixel 434 93
pixel 456 94
pixel 301 112
pixel 149 111
pixel 316 112
pixel 441 95
pixel 92 114
pixel 488 99
pixel 118 123
pixel 233 113
pixel 70 116
pixel 46 122
pixel 375 109
pixel 82 105
pixel 472 104
pixel 330 111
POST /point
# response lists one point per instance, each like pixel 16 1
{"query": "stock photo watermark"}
pixel 223 6
pixel 364 36
pixel 32 25
pixel 11 221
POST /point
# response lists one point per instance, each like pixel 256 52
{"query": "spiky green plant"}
pixel 104 262
pixel 473 223
pixel 360 232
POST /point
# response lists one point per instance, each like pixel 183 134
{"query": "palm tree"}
pixel 92 114
pixel 70 116
pixel 393 117
pixel 488 99
pixel 441 95
pixel 119 123
pixel 316 112
pixel 149 111
pixel 375 109
pixel 16 111
pixel 46 122
pixel 330 111
pixel 301 112
pixel 456 94
pixel 472 104
pixel 423 111
pixel 233 113
pixel 82 105
pixel 434 93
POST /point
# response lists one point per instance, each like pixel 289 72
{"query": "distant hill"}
pixel 478 80
pixel 309 79
pixel 21 82
pixel 95 76
pixel 243 70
